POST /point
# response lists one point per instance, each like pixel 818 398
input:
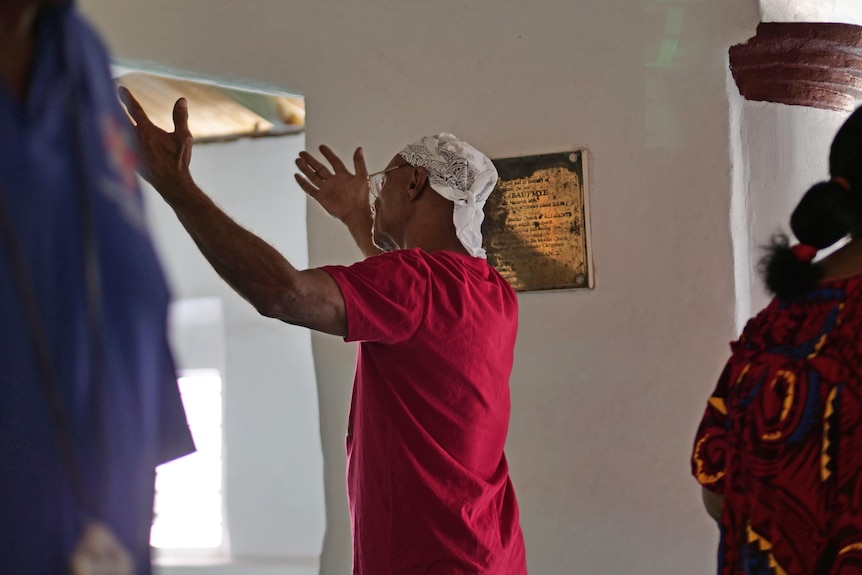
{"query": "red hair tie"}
pixel 843 182
pixel 804 252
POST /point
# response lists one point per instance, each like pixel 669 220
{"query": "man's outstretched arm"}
pixel 251 266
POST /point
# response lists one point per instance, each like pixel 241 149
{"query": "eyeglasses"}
pixel 377 180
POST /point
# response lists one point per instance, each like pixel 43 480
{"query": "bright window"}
pixel 188 505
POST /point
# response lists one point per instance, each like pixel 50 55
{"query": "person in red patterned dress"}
pixel 779 449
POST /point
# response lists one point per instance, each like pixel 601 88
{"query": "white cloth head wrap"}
pixel 460 173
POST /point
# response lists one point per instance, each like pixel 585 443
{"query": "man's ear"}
pixel 417 183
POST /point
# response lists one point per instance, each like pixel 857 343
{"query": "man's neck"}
pixel 17 41
pixel 434 242
pixel 431 226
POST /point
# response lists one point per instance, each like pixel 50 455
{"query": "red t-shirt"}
pixel 781 438
pixel 427 479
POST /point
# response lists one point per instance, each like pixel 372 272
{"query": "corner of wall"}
pixel 739 207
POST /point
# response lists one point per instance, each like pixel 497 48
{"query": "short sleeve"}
pixel 710 444
pixel 385 296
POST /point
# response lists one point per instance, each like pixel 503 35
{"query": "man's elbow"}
pixel 266 309
pixel 286 305
pixel 315 303
pixel 273 304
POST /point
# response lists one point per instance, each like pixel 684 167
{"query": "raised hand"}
pixel 341 193
pixel 165 157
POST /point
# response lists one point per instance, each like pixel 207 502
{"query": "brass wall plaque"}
pixel 535 228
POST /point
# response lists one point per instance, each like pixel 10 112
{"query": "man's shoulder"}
pixel 436 266
pixel 412 258
pixel 394 268
pixel 464 267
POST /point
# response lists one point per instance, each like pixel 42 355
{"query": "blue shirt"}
pixel 141 422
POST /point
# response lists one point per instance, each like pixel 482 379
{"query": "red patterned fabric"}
pixel 782 438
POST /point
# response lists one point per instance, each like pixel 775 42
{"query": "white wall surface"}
pixel 608 384
pixel 843 11
pixel 784 151
pixel 274 464
pixel 778 153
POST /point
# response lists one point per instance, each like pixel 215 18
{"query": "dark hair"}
pixel 828 212
pixel 786 276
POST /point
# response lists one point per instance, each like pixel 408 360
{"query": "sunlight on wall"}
pixel 188 506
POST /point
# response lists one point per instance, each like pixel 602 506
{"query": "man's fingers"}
pixel 135 110
pixel 308 171
pixel 315 168
pixel 330 156
pixel 181 117
pixel 307 186
pixel 359 163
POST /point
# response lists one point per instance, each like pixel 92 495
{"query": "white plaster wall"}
pixel 779 152
pixel 847 11
pixel 274 464
pixel 844 11
pixel 608 384
pixel 784 151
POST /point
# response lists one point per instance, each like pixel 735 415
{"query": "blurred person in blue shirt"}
pixel 67 158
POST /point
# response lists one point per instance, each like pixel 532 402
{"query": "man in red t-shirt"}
pixel 428 483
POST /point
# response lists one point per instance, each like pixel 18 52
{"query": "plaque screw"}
pixel 579 279
pixel 573 157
